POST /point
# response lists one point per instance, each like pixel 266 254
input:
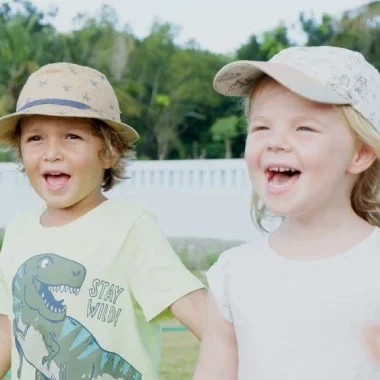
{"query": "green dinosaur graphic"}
pixel 59 347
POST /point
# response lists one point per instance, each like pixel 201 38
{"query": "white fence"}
pixel 199 198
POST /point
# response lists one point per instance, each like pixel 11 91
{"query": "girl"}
pixel 296 304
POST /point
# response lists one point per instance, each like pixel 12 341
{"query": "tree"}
pixel 251 50
pixel 318 33
pixel 225 129
pixel 359 29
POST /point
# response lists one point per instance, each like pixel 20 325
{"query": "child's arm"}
pixel 218 358
pixel 5 345
pixel 371 340
pixel 190 309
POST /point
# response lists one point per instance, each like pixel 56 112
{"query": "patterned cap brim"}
pixel 237 78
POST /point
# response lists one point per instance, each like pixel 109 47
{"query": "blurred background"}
pixel 161 57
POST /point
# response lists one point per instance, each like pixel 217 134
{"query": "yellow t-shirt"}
pixel 85 298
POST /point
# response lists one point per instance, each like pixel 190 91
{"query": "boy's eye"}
pixel 73 136
pixel 33 138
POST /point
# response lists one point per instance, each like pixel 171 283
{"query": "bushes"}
pixel 199 254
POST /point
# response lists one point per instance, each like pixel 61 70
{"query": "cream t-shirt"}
pixel 85 298
pixel 297 320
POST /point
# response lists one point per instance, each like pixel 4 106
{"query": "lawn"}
pixel 179 356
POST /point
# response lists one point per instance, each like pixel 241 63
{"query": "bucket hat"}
pixel 67 90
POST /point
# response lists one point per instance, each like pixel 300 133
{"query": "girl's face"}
pixel 300 154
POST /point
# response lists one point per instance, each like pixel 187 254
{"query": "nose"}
pixel 278 143
pixel 53 152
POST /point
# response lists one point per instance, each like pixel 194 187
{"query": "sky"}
pixel 218 25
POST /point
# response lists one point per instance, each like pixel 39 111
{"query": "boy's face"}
pixel 310 141
pixel 62 159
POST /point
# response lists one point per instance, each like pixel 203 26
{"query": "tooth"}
pixel 43 295
pixel 62 288
pixel 71 290
pixel 55 310
pixel 66 289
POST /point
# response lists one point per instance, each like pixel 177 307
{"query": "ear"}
pixel 363 159
pixel 108 162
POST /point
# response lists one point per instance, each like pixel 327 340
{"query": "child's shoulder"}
pixel 25 217
pixel 127 210
pixel 125 206
pixel 241 252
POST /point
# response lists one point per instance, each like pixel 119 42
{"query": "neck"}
pixel 322 223
pixel 55 217
pixel 321 234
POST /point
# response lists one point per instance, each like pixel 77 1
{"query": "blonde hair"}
pixel 365 196
pixel 113 147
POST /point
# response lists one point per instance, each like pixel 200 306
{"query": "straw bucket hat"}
pixel 67 90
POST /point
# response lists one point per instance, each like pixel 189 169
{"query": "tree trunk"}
pixel 228 145
pixel 195 149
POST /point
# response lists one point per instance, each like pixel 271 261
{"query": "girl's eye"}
pixel 305 129
pixel 72 136
pixel 259 128
pixel 33 138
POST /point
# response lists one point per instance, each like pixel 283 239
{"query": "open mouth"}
pixel 280 177
pixel 56 179
pixel 46 292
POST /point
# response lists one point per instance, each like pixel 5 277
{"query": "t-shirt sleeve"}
pixel 4 297
pixel 4 294
pixel 156 275
pixel 217 278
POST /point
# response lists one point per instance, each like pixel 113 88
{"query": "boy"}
pixel 84 279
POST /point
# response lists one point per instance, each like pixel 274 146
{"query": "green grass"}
pixel 179 356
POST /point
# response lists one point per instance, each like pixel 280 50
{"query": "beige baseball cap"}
pixel 67 90
pixel 322 74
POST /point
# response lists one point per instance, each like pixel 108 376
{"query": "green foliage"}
pixel 1 238
pixel 226 127
pixel 164 89
pixel 318 33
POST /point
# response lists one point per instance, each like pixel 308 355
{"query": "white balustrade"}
pixel 200 198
